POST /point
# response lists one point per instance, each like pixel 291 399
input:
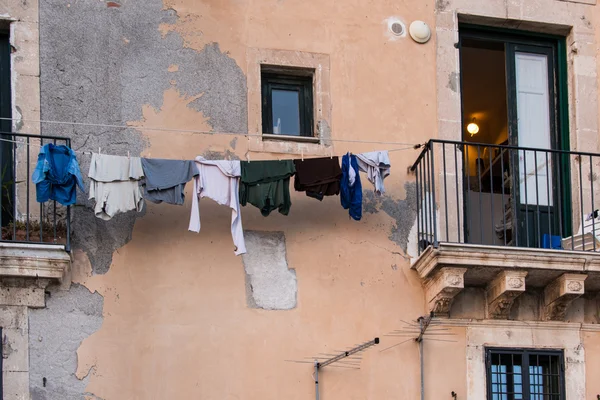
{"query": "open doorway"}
pixel 510 129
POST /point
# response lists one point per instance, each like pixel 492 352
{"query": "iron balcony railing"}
pixel 22 219
pixel 504 195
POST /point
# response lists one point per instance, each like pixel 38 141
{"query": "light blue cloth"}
pixel 57 175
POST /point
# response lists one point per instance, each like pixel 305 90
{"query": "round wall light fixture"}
pixel 419 31
pixel 473 128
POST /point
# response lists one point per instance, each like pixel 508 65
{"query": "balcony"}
pixel 36 237
pixel 507 220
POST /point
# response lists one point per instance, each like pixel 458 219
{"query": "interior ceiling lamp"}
pixel 473 128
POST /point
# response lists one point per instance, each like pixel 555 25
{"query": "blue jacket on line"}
pixel 351 196
pixel 57 175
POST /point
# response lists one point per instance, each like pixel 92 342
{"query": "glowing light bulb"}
pixel 473 128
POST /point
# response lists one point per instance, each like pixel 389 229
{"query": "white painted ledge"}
pixel 23 260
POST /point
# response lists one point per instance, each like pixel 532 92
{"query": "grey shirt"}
pixel 166 179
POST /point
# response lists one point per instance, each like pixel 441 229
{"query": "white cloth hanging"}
pixel 219 180
pixel 114 184
pixel 377 166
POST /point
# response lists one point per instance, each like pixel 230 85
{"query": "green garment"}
pixel 266 185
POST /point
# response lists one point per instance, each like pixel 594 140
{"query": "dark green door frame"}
pixel 6 148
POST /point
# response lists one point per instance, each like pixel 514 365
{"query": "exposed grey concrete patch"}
pixel 55 334
pixel 395 267
pixel 102 68
pixel 453 82
pixel 403 212
pixel 220 155
pixel 233 143
pixel 99 238
pixel 324 132
pixel 270 284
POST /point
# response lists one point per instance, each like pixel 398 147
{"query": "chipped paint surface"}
pixel 176 321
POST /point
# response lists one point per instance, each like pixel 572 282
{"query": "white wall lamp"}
pixel 419 31
pixel 473 128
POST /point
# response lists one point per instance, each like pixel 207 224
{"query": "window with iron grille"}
pixel 522 374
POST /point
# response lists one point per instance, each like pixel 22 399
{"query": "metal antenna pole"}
pixel 420 340
pixel 423 325
pixel 317 380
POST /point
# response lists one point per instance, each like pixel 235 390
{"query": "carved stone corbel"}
pixel 442 287
pixel 502 292
pixel 559 294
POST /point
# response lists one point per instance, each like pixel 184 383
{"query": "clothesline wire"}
pixel 24 143
pixel 193 131
pixel 89 153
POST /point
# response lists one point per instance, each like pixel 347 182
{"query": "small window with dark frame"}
pixel 521 374
pixel 287 101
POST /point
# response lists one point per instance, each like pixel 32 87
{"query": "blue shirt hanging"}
pixel 350 187
pixel 57 175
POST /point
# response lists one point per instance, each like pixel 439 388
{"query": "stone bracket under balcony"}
pixel 26 269
pixel 505 273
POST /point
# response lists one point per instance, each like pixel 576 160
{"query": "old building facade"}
pixel 489 110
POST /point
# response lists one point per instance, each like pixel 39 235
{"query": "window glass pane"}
pixel 286 112
pixel 534 127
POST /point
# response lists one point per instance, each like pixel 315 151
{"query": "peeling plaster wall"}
pixel 177 319
pixel 55 334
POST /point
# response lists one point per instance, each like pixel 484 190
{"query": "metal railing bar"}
pixel 548 199
pixel 435 237
pixel 430 210
pixel 492 197
pixel 445 189
pixel 457 189
pixel 593 209
pixel 515 185
pixel 479 189
pixel 41 208
pixel 537 198
pixel 526 199
pixel 14 191
pixel 468 194
pixel 419 211
pixel 558 194
pixel 28 182
pixel 503 202
pixel 581 200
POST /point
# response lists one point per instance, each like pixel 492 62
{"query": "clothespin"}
pixel 302 154
pixel 128 154
pixel 248 156
pixel 99 150
pixel 331 153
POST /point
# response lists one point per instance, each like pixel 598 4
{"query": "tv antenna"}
pixel 424 329
pixel 349 358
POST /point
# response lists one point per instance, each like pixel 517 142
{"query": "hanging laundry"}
pixel 115 184
pixel 57 175
pixel 165 179
pixel 377 166
pixel 318 177
pixel 266 185
pixel 219 180
pixel 351 188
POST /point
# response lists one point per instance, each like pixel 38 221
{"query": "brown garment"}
pixel 318 177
